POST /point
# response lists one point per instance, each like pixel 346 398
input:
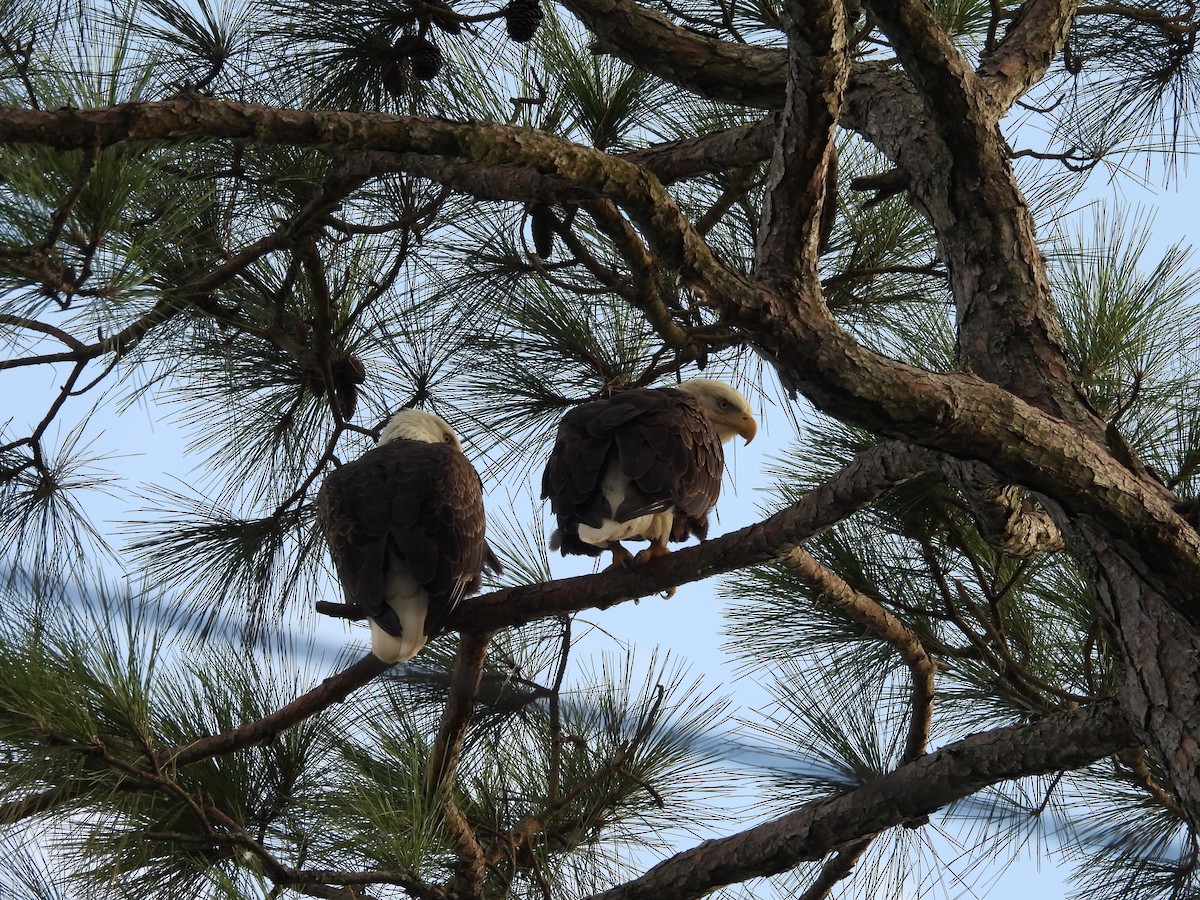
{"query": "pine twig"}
pixel 333 689
pixel 443 761
pixel 460 704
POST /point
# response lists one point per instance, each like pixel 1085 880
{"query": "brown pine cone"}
pixel 522 18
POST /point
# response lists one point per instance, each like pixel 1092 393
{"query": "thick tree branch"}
pixel 736 73
pixel 460 704
pixel 835 869
pixel 789 235
pixel 644 292
pixel 941 74
pixel 1025 53
pixel 1062 741
pixel 873 616
pixel 442 767
pixel 717 151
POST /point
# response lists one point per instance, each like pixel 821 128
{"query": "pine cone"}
pixel 348 374
pixel 395 78
pixel 542 222
pixel 406 45
pixel 522 18
pixel 426 60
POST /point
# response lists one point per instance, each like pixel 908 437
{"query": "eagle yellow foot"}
pixel 651 552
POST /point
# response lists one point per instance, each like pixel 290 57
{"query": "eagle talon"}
pixel 621 558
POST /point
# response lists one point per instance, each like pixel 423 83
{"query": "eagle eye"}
pixel 448 439
pixel 724 404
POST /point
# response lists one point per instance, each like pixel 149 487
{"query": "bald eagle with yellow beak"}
pixel 405 527
pixel 643 464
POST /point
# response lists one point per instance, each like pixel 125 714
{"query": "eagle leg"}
pixel 621 558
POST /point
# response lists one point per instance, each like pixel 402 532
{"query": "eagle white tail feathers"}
pixel 410 602
pixel 655 526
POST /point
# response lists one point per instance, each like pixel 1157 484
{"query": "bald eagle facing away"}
pixel 405 527
pixel 645 464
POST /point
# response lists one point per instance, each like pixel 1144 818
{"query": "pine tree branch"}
pixel 442 767
pixel 873 616
pixel 119 343
pixel 942 76
pixel 43 328
pixel 719 70
pixel 1065 740
pixel 717 151
pixel 645 294
pixel 670 162
pixel 789 233
pixel 1026 52
pixel 538 823
pixel 341 881
pixel 460 704
pixel 465 681
pixel 1141 775
pixel 554 775
pixel 835 869
pixel 13 811
pixel 485 182
pixel 333 689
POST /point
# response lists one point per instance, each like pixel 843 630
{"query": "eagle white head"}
pixel 418 425
pixel 724 406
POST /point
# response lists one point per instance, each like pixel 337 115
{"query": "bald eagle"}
pixel 644 464
pixel 405 527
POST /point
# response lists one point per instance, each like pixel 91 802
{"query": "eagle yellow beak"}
pixel 747 427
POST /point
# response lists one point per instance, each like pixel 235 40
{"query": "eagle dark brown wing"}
pixel 421 501
pixel 666 447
